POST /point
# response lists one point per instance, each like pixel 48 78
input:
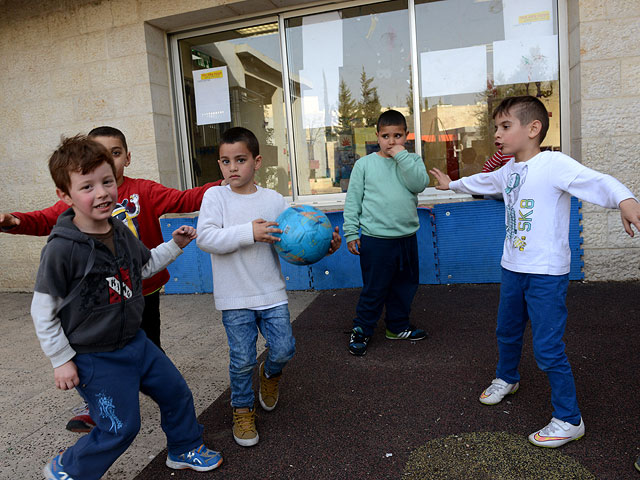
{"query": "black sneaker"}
pixel 411 333
pixel 637 464
pixel 358 342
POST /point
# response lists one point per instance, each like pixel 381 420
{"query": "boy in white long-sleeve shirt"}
pixel 537 188
pixel 236 226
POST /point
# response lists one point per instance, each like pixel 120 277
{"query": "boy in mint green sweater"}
pixel 381 201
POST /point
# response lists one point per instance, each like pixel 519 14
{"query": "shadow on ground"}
pixel 410 409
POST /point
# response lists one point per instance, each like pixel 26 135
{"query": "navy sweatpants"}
pixel 110 383
pixel 390 276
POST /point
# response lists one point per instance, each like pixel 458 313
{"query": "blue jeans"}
pixel 541 299
pixel 242 333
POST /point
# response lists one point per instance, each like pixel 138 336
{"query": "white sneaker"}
pixel 497 391
pixel 557 433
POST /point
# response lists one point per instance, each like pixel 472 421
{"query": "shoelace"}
pixel 270 386
pixel 245 421
pixel 357 337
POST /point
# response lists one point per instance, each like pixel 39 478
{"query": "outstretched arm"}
pixel 630 213
pixel 39 222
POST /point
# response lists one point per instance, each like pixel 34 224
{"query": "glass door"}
pixel 233 78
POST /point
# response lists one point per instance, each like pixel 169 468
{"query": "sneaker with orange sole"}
pixel 557 433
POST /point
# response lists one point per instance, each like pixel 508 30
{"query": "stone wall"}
pixel 605 101
pixel 70 66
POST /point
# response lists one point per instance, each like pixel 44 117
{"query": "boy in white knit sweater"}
pixel 236 226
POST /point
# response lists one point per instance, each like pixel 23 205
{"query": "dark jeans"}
pixel 110 383
pixel 390 276
pixel 151 318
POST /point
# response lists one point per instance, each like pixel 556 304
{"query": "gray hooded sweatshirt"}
pixel 86 299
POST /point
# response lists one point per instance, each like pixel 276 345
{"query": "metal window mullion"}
pixel 180 119
pixel 564 83
pixel 415 77
pixel 288 109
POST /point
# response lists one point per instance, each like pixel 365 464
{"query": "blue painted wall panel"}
pixel 457 242
pixel 340 270
pixel 427 253
pixel 469 238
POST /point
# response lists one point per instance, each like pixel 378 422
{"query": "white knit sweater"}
pixel 246 274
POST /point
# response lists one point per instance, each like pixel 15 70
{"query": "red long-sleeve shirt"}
pixel 140 204
pixel 496 161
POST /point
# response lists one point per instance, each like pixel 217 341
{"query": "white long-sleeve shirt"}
pixel 246 273
pixel 537 196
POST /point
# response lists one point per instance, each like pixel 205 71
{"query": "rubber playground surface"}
pixel 410 410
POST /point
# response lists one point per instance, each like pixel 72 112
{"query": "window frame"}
pixel 336 200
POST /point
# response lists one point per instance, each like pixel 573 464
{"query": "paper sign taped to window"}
pixel 526 19
pixel 455 71
pixel 211 87
pixel 525 60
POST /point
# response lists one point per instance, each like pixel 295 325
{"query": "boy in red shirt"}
pixel 140 204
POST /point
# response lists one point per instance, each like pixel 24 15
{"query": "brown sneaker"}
pixel 244 426
pixel 268 390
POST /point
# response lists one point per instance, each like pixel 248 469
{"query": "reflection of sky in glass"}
pixel 378 42
pixel 449 24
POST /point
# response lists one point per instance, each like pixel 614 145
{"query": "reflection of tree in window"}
pixel 370 104
pixel 347 109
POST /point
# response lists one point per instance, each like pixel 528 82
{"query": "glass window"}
pixel 471 55
pixel 251 56
pixel 345 68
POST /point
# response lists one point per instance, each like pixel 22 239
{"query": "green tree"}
pixel 370 104
pixel 347 108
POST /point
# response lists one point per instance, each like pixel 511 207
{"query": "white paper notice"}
pixel 524 18
pixel 449 72
pixel 525 60
pixel 211 87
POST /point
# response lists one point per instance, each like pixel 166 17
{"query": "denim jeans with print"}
pixel 242 328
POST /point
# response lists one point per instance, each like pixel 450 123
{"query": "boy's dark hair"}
pixel 526 109
pixel 106 131
pixel 77 154
pixel 391 118
pixel 244 135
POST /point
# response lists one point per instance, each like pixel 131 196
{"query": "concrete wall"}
pixel 72 65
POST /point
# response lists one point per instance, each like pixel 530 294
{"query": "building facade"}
pixel 308 78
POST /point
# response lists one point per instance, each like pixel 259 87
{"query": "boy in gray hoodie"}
pixel 87 309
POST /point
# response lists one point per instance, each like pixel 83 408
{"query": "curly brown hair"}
pixel 77 154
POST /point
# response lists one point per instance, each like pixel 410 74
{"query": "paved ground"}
pixel 405 410
pixel 410 410
pixel 33 412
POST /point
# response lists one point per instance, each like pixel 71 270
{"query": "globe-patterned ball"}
pixel 306 235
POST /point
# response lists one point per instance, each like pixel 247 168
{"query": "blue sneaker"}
pixel 200 459
pixel 358 342
pixel 411 333
pixel 54 471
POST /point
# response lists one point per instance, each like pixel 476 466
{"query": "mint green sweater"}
pixel 383 196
